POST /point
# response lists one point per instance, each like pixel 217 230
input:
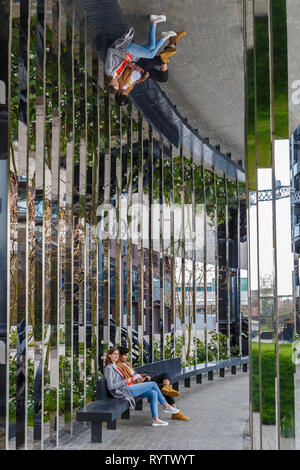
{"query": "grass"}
pixel 268 372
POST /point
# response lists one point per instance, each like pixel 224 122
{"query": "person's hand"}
pixel 148 378
pixel 140 380
pixel 139 69
pixel 146 75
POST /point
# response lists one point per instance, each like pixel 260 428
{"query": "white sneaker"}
pixel 158 18
pixel 160 422
pixel 171 409
pixel 168 34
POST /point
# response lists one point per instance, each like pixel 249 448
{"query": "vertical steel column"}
pixel 31 163
pixel 263 152
pixel 193 247
pixel 5 81
pixel 167 193
pixel 279 129
pixel 40 298
pixel 70 281
pixel 22 231
pixel 250 165
pixel 91 195
pixel 129 231
pixel 205 265
pixel 100 229
pixel 94 155
pixel 95 202
pixel 172 256
pixel 151 222
pixel 13 212
pixel 227 268
pixel 182 254
pixel 140 244
pixel 50 331
pixel 199 236
pixel 238 266
pixel 82 228
pixel 118 243
pixel 54 103
pixel 217 280
pixel 106 215
pixel 161 249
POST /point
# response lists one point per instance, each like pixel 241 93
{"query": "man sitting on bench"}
pixel 162 380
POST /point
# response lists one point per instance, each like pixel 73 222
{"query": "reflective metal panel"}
pixel 271 289
pixel 5 79
pixel 114 236
pixel 139 324
pixel 22 235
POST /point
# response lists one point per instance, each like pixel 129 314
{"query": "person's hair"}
pixel 123 350
pixel 121 100
pixel 110 351
pixel 110 88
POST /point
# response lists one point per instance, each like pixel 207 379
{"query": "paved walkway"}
pixel 218 414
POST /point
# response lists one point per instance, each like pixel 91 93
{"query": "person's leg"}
pixel 162 380
pixel 152 395
pixel 146 390
pixel 158 378
pixel 159 75
pixel 151 36
pixel 147 64
pixel 166 379
pixel 157 46
pixel 161 398
pixel 138 51
pixel 139 389
pixel 144 50
pixel 170 400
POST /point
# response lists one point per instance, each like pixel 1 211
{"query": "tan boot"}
pixel 175 39
pixel 165 56
pixel 180 417
pixel 169 391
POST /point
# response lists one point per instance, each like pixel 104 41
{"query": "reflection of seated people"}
pixel 134 74
pixel 163 381
pixel 124 50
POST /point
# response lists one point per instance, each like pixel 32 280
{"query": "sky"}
pixel 283 226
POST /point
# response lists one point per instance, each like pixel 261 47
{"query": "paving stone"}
pixel 218 414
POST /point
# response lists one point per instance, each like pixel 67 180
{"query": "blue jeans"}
pixel 151 391
pixel 149 50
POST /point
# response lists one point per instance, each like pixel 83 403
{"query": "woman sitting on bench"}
pixel 163 381
pixel 122 387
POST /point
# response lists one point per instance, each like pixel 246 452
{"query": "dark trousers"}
pixel 149 66
pixel 159 380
